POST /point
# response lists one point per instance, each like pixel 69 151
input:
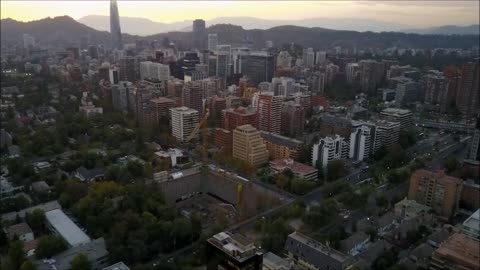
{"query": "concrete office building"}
pixel 212 41
pixel 299 170
pixel 385 133
pixel 199 34
pixel 437 190
pixel 248 145
pixel 471 226
pixel 257 66
pixel 328 149
pixel 404 117
pixel 183 121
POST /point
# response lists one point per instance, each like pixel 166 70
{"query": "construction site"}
pixel 212 192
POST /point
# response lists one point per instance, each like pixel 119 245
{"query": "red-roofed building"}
pixel 300 170
pixel 234 118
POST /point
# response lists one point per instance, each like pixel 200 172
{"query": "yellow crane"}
pixel 199 125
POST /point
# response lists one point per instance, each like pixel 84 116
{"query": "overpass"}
pixel 453 126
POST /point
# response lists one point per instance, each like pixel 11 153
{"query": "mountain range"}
pixel 65 30
pixel 145 27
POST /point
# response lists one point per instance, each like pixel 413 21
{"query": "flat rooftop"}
pixel 66 228
pixel 235 245
pixel 335 254
pixel 396 111
pixel 460 247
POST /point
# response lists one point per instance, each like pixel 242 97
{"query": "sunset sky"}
pixel 414 13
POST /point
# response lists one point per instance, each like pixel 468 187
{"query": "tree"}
pixel 81 262
pixel 36 220
pixel 451 164
pixel 135 168
pixel 336 169
pixel 28 265
pixel 281 181
pixel 50 245
pixel 16 254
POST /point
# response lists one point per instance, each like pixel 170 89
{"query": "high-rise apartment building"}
pixel 183 121
pixel 154 72
pixel 385 133
pixel 115 30
pixel 160 109
pixel 192 96
pixel 404 117
pixel 371 74
pixel 269 109
pixel 436 190
pixel 212 41
pixel 199 34
pixel 468 92
pixel 328 149
pixel 280 146
pixel 248 145
pixel 360 142
pixel 351 72
pixel 320 57
pixel 128 68
pixel 292 119
pixel 232 118
pixel 435 88
pixel 308 57
pixel 120 95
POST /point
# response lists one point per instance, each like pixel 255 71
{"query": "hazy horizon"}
pixel 414 14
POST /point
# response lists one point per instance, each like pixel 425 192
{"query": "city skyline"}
pixel 408 13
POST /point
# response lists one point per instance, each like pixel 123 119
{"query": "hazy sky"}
pixel 414 13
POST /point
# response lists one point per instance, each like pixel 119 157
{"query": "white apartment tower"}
pixel 328 149
pixel 183 121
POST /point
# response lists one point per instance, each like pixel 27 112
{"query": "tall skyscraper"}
pixel 115 30
pixel 199 34
pixel 183 121
pixel 269 109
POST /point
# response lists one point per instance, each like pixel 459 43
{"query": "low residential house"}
pixel 29 247
pixel 22 231
pixel 386 223
pixel 355 244
pixel 84 174
pixel 399 234
pixel 421 255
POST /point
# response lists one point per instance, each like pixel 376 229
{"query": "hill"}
pixel 65 30
pixel 448 30
pixel 61 30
